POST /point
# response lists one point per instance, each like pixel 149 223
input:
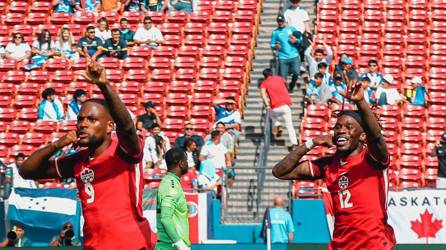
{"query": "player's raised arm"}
pixel 293 168
pixel 39 165
pixel 375 140
pixel 124 125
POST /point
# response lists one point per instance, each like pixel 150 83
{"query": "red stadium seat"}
pixel 25 101
pixel 41 7
pixel 37 18
pixel 27 114
pixel 66 126
pixel 25 149
pixel 84 18
pixel 34 139
pixel 9 139
pixel 46 127
pixel 5 101
pixel 15 77
pixel 38 77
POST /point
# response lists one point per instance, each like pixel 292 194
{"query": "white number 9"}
pixel 89 190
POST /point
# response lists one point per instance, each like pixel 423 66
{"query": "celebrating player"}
pixel 355 176
pixel 108 171
pixel 172 212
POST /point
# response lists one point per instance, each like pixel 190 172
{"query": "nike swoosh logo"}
pixel 342 162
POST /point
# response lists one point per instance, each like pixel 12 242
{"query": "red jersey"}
pixel 110 189
pixel 275 86
pixel 359 194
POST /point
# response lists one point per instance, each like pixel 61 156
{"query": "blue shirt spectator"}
pixel 318 92
pixel 337 88
pixel 282 228
pixel 89 5
pixel 90 45
pixel 66 6
pixel 376 78
pixel 136 6
pixel 282 36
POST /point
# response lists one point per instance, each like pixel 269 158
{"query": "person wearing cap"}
pixel 79 96
pixel 64 6
pixel 50 108
pixel 387 94
pixel 17 49
pixel 318 92
pixel 227 114
pixel 337 87
pixel 439 150
pixel 188 133
pixel 355 175
pixel 376 78
pixel 347 70
pixel 115 46
pixel 90 45
pixel 148 34
pixel 283 42
pixel 417 93
pixel 126 33
pixel 314 59
pixel 149 118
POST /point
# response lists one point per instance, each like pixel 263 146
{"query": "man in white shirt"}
pixel 313 59
pixel 151 157
pixel 148 34
pixel 13 177
pixel 297 17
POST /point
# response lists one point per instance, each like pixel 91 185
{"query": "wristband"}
pixel 309 144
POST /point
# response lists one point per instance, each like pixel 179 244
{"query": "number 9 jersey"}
pixel 358 187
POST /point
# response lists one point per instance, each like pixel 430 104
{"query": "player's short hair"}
pixel 267 72
pixel 48 92
pixel 355 115
pixel 372 61
pixel 99 101
pixel 214 134
pixel 174 156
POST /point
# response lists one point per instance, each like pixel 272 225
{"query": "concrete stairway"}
pixel 241 203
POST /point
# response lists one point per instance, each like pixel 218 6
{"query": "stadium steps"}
pixel 241 203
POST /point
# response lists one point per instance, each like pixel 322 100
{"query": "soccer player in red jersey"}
pixel 108 172
pixel 355 176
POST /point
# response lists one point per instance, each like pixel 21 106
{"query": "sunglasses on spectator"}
pixel 189 128
pixel 21 37
pixel 373 65
pixel 147 22
pixel 92 32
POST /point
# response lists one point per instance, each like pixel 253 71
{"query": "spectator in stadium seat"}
pixel 369 93
pixel 376 78
pixel 88 5
pixel 64 6
pixel 136 6
pixel 188 134
pixel 340 65
pixel 65 46
pixel 278 102
pixel 226 139
pixel 90 45
pixel 112 5
pixel 417 93
pixel 13 178
pixel 102 31
pixel 215 151
pixel 156 5
pixel 42 49
pixel 388 94
pixel 50 108
pixel 318 92
pixel 17 49
pixel 439 150
pixel 337 87
pixel 79 96
pixel 282 227
pixel 150 117
pixel 192 152
pixel 126 33
pixel 148 34
pixel 297 17
pixel 282 41
pixel 317 57
pixel 347 70
pixel 115 46
pixel 180 5
pixel 154 148
pixel 20 240
pixel 228 115
pixel 322 68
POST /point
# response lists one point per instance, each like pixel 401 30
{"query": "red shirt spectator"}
pixel 277 91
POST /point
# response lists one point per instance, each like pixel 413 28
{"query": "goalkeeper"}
pixel 171 210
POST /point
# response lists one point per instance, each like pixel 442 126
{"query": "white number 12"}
pixel 345 202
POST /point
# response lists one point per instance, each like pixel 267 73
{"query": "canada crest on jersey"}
pixel 343 182
pixel 87 175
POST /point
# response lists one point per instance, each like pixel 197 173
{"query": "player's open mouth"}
pixel 341 141
pixel 82 135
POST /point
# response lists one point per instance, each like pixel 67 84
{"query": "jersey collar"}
pixel 174 175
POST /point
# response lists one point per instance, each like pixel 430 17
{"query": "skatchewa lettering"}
pixel 414 201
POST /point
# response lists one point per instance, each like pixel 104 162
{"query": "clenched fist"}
pixel 67 139
pixel 95 74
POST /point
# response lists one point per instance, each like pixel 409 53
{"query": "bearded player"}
pixel 107 170
pixel 355 176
